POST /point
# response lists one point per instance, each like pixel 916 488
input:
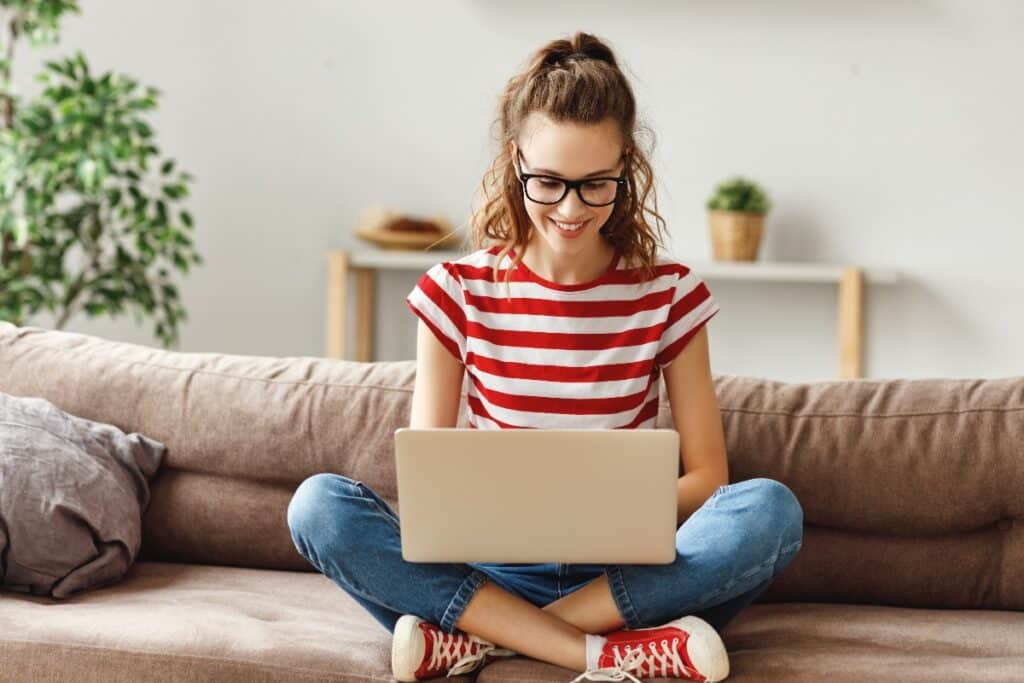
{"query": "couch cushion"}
pixel 910 487
pixel 180 622
pixel 811 643
pixel 214 519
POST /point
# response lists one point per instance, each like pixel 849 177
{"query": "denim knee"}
pixel 315 502
pixel 784 511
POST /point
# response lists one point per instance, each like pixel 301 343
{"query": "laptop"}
pixel 588 496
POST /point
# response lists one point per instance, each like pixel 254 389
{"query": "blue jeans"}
pixel 727 553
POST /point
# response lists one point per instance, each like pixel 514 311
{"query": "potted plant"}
pixel 91 212
pixel 736 218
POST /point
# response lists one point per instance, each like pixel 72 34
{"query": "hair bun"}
pixel 581 47
pixel 592 47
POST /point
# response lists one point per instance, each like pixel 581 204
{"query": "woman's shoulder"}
pixel 472 257
pixel 465 265
pixel 663 264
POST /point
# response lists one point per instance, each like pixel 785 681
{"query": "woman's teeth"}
pixel 572 227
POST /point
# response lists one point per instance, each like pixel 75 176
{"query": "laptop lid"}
pixel 538 495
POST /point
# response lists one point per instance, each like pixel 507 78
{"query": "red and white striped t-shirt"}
pixel 554 356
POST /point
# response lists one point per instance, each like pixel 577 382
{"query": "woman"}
pixel 567 320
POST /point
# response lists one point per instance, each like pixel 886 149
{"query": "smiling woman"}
pixel 567 315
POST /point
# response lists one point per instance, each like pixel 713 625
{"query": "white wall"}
pixel 887 134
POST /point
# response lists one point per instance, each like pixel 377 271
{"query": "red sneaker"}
pixel 688 648
pixel 421 650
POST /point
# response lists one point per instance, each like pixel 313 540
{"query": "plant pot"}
pixel 735 235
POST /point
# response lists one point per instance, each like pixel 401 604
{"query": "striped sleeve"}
pixel 438 300
pixel 692 307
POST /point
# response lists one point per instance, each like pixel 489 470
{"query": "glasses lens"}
pixel 544 189
pixel 599 191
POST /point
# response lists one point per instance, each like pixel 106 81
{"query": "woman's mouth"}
pixel 569 230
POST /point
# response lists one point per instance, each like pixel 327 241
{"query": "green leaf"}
pixel 180 261
pixel 87 172
pixel 80 60
pixel 59 68
pixel 175 191
pixel 21 232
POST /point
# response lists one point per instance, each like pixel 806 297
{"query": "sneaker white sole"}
pixel 407 648
pixel 705 648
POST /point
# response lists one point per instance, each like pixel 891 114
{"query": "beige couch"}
pixel 912 566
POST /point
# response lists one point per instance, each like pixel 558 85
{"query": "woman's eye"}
pixel 596 185
pixel 549 183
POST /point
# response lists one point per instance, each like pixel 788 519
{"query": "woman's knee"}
pixel 780 506
pixel 315 501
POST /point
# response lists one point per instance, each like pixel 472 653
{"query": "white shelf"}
pixel 763 271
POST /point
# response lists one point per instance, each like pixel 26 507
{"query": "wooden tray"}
pixel 398 239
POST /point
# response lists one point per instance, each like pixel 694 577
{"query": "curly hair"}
pixel 576 81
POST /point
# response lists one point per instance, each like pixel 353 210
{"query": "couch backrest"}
pixel 911 489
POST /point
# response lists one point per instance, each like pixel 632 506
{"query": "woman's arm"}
pixel 694 403
pixel 436 393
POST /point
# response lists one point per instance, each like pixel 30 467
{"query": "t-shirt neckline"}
pixel 566 287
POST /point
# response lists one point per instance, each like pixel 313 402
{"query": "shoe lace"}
pixel 457 652
pixel 667 662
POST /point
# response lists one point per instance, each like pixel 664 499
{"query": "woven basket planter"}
pixel 735 235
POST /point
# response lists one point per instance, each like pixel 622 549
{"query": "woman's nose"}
pixel 572 207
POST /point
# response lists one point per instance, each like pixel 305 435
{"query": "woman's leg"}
pixel 535 583
pixel 728 553
pixel 720 615
pixel 351 535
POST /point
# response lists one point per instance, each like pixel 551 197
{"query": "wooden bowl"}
pixel 401 239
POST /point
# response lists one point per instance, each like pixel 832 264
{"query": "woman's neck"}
pixel 570 270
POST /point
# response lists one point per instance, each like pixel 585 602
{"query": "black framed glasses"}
pixel 546 189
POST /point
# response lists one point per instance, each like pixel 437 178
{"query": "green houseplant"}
pixel 737 208
pixel 90 212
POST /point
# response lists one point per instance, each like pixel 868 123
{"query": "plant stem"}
pixel 86 279
pixel 8 115
pixel 69 300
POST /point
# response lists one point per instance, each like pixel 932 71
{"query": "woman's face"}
pixel 571 152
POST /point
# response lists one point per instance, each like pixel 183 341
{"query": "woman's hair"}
pixel 575 81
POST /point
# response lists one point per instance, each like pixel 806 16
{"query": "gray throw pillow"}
pixel 72 495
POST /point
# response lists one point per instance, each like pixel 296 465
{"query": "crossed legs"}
pixel 555 633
